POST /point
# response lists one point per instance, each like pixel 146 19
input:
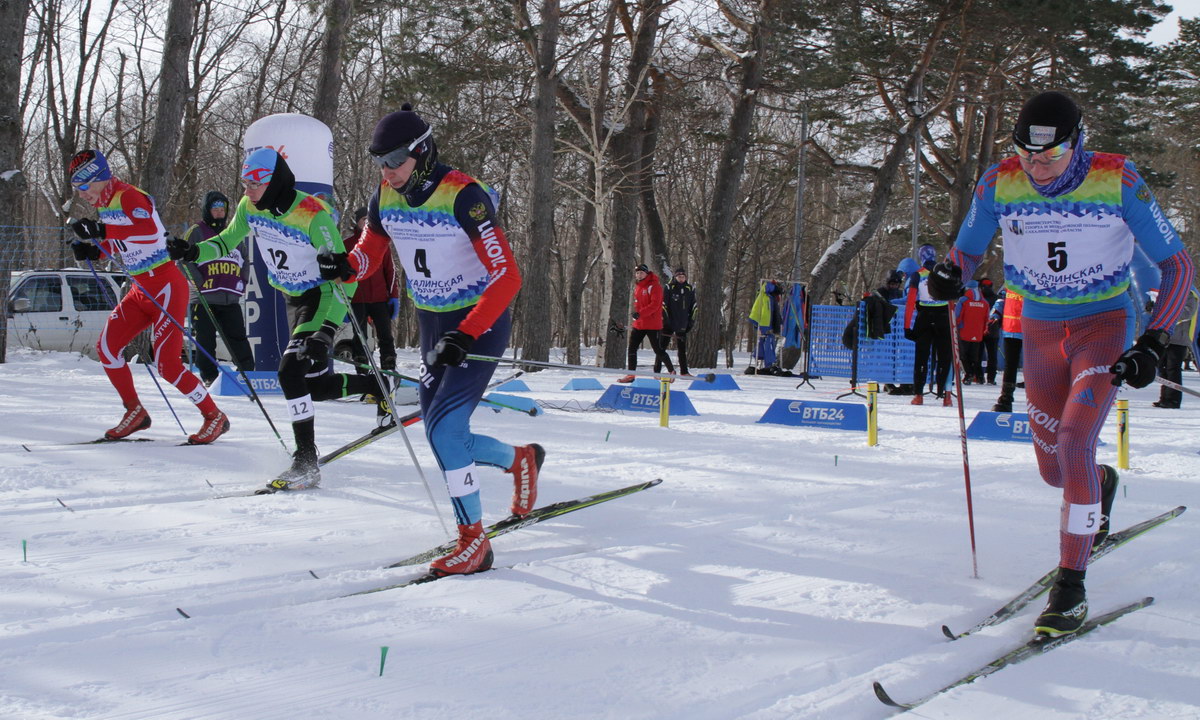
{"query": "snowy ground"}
pixel 775 573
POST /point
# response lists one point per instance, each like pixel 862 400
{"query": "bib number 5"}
pixel 1056 256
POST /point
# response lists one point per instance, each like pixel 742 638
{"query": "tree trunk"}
pixel 172 97
pixel 536 285
pixel 329 79
pixel 652 219
pixel 706 337
pixel 574 287
pixel 13 14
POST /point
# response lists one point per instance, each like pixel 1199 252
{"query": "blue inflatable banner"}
pixel 814 413
pixel 623 397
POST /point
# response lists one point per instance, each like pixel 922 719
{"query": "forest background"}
pixel 742 139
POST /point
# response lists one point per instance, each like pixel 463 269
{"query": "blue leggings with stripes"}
pixel 448 396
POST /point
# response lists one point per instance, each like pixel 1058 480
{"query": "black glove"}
pixel 181 249
pixel 85 250
pixel 451 350
pixel 88 229
pixel 636 316
pixel 1138 365
pixel 334 266
pixel 945 281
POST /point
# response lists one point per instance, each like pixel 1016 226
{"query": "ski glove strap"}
pixel 1138 365
pixel 451 350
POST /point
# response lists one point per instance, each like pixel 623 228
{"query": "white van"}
pixel 61 310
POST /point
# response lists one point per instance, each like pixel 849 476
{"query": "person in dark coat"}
pixel 222 283
pixel 377 298
pixel 679 308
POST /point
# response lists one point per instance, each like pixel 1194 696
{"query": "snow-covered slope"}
pixel 775 573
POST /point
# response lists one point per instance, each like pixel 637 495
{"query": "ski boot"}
pixel 472 553
pixel 627 379
pixel 1108 493
pixel 135 418
pixel 215 425
pixel 947 399
pixel 918 399
pixel 1005 401
pixel 525 469
pixel 1067 608
pixel 304 473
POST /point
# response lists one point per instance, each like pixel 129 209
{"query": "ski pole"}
pixel 221 331
pixel 962 431
pixel 108 295
pixel 707 377
pixel 337 288
pixel 1176 386
pixel 395 374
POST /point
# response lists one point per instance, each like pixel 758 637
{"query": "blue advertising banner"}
pixel 230 383
pixel 623 397
pixel 989 425
pixel 815 413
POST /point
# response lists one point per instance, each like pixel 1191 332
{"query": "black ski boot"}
pixel 304 473
pixel 1067 608
pixel 1005 401
pixel 1108 493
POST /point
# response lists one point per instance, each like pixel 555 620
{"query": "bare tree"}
pixel 543 48
pixel 13 14
pixel 158 171
pixel 329 79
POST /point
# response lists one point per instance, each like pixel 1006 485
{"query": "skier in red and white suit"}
pixel 131 230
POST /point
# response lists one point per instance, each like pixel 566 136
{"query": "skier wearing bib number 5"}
pixel 1069 218
pixel 461 276
pixel 289 227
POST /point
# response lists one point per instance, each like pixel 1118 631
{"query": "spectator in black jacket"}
pixel 679 307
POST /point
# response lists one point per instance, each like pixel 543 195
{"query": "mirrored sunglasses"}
pixel 1045 157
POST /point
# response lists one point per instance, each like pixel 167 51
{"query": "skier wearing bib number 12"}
pixel 289 227
pixel 461 277
pixel 1069 217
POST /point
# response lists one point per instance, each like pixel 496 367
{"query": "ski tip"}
pixel 655 481
pixel 181 612
pixel 885 698
pixel 949 633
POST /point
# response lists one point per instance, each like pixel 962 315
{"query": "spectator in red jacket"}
pixel 377 298
pixel 647 320
pixel 973 312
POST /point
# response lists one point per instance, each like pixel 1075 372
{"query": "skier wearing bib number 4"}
pixel 289 227
pixel 461 277
pixel 1069 217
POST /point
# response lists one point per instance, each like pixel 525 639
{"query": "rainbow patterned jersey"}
pixel 442 268
pixel 288 243
pixel 133 228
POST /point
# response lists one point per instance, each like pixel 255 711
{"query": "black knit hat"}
pixel 401 135
pixel 1047 119
pixel 642 267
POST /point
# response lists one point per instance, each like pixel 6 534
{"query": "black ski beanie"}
pixel 401 128
pixel 1046 120
pixel 281 190
pixel 214 197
